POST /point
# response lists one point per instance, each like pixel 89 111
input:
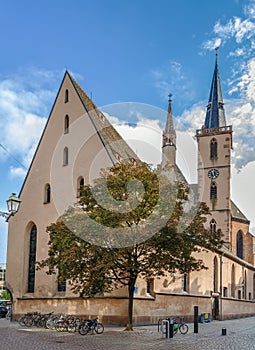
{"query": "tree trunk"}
pixel 131 286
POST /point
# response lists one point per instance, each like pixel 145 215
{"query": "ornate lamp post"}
pixel 13 203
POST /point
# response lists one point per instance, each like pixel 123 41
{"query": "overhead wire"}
pixel 12 156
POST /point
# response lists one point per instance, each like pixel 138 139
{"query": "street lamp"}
pixel 13 203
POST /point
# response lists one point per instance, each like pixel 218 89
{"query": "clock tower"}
pixel 214 160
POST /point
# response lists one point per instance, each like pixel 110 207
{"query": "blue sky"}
pixel 126 51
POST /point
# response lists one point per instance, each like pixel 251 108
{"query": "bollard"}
pixel 171 328
pixel 195 319
pixel 224 331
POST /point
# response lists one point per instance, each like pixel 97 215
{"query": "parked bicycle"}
pixel 181 326
pixel 177 325
pixel 87 326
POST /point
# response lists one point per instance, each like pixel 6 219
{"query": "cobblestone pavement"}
pixel 240 335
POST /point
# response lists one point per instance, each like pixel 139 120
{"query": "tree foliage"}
pixel 130 223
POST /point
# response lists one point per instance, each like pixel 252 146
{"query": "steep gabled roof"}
pixel 236 214
pixel 116 147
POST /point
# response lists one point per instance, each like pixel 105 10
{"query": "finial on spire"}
pixel 169 97
pixel 217 49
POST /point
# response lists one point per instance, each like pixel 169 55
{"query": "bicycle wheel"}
pixel 83 329
pixel 183 327
pixel 21 320
pixel 99 328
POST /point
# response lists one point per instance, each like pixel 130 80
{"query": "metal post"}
pixel 195 319
pixel 171 328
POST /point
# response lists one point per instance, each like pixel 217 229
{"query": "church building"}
pixel 78 140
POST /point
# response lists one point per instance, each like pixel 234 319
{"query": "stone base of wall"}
pixel 113 311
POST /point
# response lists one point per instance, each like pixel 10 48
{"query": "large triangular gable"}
pixel 115 147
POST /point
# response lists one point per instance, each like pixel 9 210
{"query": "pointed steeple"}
pixel 169 134
pixel 215 115
pixel 169 138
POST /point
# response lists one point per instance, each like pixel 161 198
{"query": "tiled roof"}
pixel 117 148
pixel 237 214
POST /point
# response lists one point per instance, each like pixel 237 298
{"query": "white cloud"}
pixel 24 106
pixel 171 78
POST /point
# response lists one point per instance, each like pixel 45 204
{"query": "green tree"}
pixel 130 223
pixel 5 295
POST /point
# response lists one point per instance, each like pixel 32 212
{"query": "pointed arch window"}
pixel 254 286
pixel 185 282
pixel 213 149
pixel 66 126
pixel 245 286
pixel 47 193
pixel 66 96
pixel 213 226
pixel 233 281
pixel 32 259
pixel 239 244
pixel 65 156
pixel 80 185
pixel 213 190
pixel 215 274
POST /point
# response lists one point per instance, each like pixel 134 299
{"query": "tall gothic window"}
pixel 213 190
pixel 213 149
pixel 233 282
pixel 215 274
pixel 213 226
pixel 185 282
pixel 32 260
pixel 65 156
pixel 239 244
pixel 254 286
pixel 66 126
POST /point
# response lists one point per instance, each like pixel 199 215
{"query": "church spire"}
pixel 215 115
pixel 169 134
pixel 169 138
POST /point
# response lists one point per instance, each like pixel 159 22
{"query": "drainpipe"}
pixel 221 288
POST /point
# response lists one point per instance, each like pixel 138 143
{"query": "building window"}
pixel 225 291
pixel 62 285
pixel 66 96
pixel 80 186
pixel 150 286
pixel 254 286
pixel 47 194
pixel 66 127
pixel 233 282
pixel 65 156
pixel 215 274
pixel 245 286
pixel 185 283
pixel 32 260
pixel 239 295
pixel 213 149
pixel 213 190
pixel 213 226
pixel 239 244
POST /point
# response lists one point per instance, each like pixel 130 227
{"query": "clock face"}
pixel 213 173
